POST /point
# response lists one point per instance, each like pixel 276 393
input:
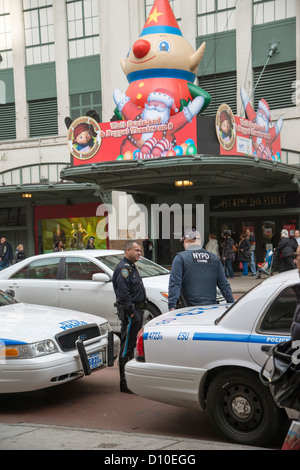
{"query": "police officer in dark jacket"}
pixel 131 297
pixel 196 273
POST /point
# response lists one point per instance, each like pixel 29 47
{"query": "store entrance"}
pixel 265 229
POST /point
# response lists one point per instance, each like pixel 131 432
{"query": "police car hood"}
pixel 161 281
pixel 29 323
pixel 202 315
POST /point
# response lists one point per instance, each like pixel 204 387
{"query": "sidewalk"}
pixel 45 437
pixel 240 285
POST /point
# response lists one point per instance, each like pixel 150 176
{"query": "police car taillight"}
pixel 140 353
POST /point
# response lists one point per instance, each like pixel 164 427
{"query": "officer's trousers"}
pixel 129 330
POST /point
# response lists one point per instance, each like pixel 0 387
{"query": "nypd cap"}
pixel 190 235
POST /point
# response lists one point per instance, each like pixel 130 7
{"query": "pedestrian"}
pixel 90 244
pixel 212 245
pixel 131 301
pixel 244 255
pixel 228 254
pixel 196 273
pixel 296 240
pixel 148 248
pixel 6 254
pixel 19 254
pixel 59 246
pixel 285 250
pixel 252 241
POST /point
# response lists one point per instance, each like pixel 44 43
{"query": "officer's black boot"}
pixel 123 384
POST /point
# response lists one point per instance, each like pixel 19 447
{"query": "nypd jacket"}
pixel 197 273
pixel 128 285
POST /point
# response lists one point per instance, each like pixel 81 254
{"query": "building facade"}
pixel 62 58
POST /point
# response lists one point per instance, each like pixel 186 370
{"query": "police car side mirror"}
pixel 101 277
pixel 11 292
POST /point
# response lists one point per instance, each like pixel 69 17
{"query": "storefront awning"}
pixel 209 175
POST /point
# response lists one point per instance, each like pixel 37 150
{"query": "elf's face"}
pixel 84 137
pixel 225 126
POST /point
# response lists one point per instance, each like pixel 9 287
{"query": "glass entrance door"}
pixel 268 235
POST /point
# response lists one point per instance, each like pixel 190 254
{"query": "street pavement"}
pixel 26 436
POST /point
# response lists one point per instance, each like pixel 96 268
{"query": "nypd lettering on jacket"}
pixel 201 257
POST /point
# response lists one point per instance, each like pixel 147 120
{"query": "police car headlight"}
pixel 104 328
pixel 43 348
pixel 28 351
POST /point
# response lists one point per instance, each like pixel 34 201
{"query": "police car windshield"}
pixel 145 267
pixel 6 299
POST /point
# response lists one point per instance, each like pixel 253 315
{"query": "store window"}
pixel 215 16
pixel 39 31
pixel 265 11
pixel 72 224
pixel 83 28
pixel 81 103
pixel 5 35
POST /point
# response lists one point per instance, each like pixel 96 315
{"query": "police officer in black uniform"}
pixel 196 273
pixel 131 300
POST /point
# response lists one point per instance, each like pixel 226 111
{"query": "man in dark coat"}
pixel 6 254
pixel 285 250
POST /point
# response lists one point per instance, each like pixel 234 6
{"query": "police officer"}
pixel 131 298
pixel 196 273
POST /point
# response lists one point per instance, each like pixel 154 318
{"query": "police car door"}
pixel 274 325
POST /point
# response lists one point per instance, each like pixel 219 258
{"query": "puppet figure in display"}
pixel 262 146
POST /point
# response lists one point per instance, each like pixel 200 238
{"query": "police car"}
pixel 209 357
pixel 45 346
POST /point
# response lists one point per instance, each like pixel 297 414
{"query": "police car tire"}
pixel 242 408
pixel 151 312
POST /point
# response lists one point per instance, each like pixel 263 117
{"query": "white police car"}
pixel 45 346
pixel 210 357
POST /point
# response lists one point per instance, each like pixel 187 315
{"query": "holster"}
pixel 181 302
pixel 141 305
pixel 120 310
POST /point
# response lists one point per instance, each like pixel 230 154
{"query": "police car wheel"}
pixel 150 313
pixel 242 408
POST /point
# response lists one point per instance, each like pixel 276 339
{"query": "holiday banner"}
pixel 92 142
pixel 254 135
